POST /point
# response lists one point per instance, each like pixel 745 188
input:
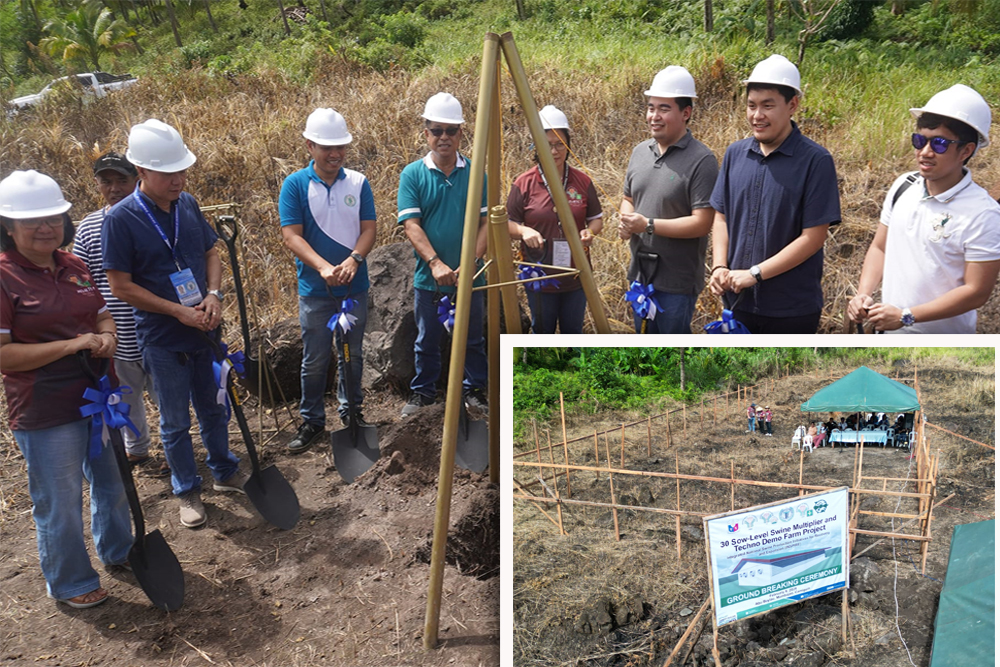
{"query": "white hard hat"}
pixel 776 69
pixel 29 194
pixel 156 146
pixel 553 119
pixel 961 103
pixel 443 108
pixel 674 81
pixel 326 127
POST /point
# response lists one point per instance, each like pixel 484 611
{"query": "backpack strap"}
pixel 911 178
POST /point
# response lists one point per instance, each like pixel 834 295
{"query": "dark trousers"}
pixel 761 324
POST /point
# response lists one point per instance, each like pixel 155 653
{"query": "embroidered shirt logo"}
pixel 574 196
pixel 938 226
pixel 78 281
pixel 350 200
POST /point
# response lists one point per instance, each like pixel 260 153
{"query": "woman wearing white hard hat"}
pixel 50 310
pixel 937 249
pixel 533 219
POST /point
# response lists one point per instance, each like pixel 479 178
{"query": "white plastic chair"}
pixel 807 443
pixel 797 438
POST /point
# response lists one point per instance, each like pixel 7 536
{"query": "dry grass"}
pixel 246 132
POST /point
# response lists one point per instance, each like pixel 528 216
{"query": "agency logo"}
pixel 768 517
pixel 820 506
pixel 786 514
pixel 734 527
pixel 803 509
pixel 350 200
pixel 748 521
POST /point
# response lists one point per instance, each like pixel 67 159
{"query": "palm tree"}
pixel 87 34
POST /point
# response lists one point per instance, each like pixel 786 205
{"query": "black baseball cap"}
pixel 115 162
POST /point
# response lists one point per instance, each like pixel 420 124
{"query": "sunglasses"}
pixel 938 144
pixel 438 131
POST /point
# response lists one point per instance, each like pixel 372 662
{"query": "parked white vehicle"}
pixel 91 84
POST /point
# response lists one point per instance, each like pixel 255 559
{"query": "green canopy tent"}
pixel 863 390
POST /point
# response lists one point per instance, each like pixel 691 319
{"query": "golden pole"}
pixel 456 369
pixel 548 165
pixel 493 274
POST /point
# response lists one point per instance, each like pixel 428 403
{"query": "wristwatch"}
pixel 907 319
pixel 217 294
pixel 755 272
pixel 357 257
pixel 650 227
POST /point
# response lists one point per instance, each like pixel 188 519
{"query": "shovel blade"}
pixel 472 448
pixel 354 455
pixel 273 497
pixel 157 570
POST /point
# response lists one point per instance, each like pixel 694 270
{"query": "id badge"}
pixel 561 255
pixel 186 287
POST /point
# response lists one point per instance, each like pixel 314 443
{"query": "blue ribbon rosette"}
pixel 536 276
pixel 344 319
pixel 727 325
pixel 106 407
pixel 446 313
pixel 641 298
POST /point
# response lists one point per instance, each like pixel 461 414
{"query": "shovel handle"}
pixel 861 328
pixel 226 226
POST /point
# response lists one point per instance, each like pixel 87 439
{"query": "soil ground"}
pixel 347 586
pixel 587 599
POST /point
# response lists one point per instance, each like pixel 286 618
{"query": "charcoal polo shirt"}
pixel 41 306
pixel 768 201
pixel 671 185
pixel 132 245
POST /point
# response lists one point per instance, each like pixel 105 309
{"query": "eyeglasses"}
pixel 54 222
pixel 938 144
pixel 438 131
pixel 557 147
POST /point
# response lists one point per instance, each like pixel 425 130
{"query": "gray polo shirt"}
pixel 671 186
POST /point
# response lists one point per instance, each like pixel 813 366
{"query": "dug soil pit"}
pixel 347 586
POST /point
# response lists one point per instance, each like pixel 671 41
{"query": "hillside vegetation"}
pixel 240 96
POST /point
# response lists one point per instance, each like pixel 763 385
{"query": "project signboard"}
pixel 777 554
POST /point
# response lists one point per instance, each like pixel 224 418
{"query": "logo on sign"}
pixel 803 509
pixel 768 517
pixel 749 520
pixel 786 514
pixel 734 527
pixel 820 506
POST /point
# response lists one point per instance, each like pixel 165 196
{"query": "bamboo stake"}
pixel 715 415
pixel 534 427
pixel 649 436
pixel 732 486
pixel 843 616
pixel 677 470
pixel 959 436
pixel 562 414
pixel 680 642
pixel 611 482
pixel 555 486
pixel 875 544
pixel 802 456
pixel 685 422
pixel 588 503
pixel 670 437
pixel 461 331
pixel 540 508
pixel 930 515
pixel 701 413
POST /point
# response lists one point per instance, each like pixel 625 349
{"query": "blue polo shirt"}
pixel 331 217
pixel 768 201
pixel 439 201
pixel 132 245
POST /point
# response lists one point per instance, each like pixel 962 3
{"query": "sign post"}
pixel 777 554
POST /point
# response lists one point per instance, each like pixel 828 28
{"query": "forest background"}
pixel 238 78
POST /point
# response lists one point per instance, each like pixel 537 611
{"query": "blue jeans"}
pixel 750 424
pixel 317 341
pixel 182 379
pixel 427 347
pixel 674 315
pixel 57 465
pixel 566 308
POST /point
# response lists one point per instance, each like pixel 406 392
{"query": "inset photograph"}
pixel 735 507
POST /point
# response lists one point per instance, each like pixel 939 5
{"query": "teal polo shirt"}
pixel 439 202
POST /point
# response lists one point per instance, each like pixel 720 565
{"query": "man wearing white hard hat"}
pixel 431 209
pixel 533 219
pixel 160 257
pixel 937 249
pixel 776 197
pixel 328 222
pixel 666 213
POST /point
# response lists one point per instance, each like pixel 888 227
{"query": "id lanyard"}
pixel 560 247
pixel 156 225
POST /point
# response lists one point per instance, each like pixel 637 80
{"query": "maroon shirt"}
pixel 37 306
pixel 529 203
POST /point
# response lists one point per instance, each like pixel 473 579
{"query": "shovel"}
pixel 226 226
pixel 355 447
pixel 267 489
pixel 472 444
pixel 648 264
pixel 152 561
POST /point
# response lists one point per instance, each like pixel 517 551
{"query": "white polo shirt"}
pixel 929 241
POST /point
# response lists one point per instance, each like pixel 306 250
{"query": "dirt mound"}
pixel 411 453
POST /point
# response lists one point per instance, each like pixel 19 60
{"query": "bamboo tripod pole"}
pixel 559 198
pixel 454 401
pixel 493 297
